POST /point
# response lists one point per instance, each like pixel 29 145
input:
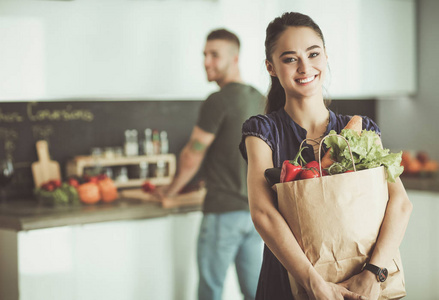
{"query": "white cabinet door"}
pixel 420 247
pixel 387 47
pixel 370 45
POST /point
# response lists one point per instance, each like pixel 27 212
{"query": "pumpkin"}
pixel 89 193
pixel 108 190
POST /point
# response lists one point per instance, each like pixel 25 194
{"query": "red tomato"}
pixel 48 186
pixel 56 183
pixel 73 182
pixel 148 187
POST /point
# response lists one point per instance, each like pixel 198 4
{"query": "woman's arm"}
pixel 274 230
pixel 390 237
pixel 394 225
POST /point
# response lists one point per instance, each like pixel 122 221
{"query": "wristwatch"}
pixel 380 273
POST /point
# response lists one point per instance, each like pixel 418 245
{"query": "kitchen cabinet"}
pixel 420 247
pixel 149 258
pixel 371 45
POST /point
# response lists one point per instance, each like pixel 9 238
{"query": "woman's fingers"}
pixel 351 295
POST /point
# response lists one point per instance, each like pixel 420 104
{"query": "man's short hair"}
pixel 223 34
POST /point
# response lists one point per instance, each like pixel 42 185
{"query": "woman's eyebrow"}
pixel 294 52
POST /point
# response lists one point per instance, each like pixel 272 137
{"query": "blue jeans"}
pixel 227 238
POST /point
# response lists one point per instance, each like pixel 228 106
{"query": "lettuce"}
pixel 366 151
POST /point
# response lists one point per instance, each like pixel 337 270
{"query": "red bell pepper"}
pixel 291 168
pixel 313 164
pixel 309 173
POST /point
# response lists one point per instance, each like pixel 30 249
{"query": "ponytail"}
pixel 276 96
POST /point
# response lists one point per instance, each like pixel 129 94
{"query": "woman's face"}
pixel 299 61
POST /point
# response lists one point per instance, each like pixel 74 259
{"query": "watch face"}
pixel 382 275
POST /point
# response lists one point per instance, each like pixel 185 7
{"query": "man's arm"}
pixel 190 159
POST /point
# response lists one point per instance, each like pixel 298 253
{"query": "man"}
pixel 227 234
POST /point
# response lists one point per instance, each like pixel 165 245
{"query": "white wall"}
pixel 122 48
pixel 411 123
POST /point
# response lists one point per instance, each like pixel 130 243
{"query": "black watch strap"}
pixel 380 273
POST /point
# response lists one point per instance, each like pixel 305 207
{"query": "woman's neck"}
pixel 310 113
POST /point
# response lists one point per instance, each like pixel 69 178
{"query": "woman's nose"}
pixel 304 66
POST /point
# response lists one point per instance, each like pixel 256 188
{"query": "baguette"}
pixel 355 123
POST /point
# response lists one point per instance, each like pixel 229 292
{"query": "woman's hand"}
pixel 322 290
pixel 364 283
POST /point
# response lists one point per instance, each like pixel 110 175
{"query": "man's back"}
pixel 223 114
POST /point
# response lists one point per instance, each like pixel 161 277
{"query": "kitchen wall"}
pixel 411 122
pixel 151 49
pixel 122 48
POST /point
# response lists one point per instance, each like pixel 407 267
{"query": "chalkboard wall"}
pixel 74 127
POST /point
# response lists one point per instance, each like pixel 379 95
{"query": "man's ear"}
pixel 270 68
pixel 236 59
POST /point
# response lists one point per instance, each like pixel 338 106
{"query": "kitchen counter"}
pixel 26 214
pixel 98 251
pixel 427 184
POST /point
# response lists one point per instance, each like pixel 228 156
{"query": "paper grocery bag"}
pixel 336 220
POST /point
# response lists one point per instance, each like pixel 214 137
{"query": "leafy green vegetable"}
pixel 366 151
pixel 64 195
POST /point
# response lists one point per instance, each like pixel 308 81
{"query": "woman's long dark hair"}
pixel 276 94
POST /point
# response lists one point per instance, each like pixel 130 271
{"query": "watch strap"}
pixel 381 274
pixel 374 269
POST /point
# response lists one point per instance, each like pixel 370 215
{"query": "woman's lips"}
pixel 305 80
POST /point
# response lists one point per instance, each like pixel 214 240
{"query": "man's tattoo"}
pixel 197 146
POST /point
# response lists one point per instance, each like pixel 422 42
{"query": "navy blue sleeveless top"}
pixel 284 136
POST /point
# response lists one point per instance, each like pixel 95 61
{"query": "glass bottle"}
pixel 164 144
pixel 156 141
pixel 127 145
pixel 135 143
pixel 148 147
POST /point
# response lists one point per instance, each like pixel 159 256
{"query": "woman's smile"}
pixel 305 80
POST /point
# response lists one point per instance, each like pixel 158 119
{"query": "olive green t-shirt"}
pixel 225 171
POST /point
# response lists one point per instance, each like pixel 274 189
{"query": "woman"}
pixel 296 61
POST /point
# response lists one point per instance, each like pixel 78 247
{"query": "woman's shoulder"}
pixel 261 126
pixel 264 122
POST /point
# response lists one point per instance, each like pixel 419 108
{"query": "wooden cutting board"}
pixel 187 199
pixel 44 169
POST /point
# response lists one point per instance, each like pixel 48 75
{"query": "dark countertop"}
pixel 427 184
pixel 27 214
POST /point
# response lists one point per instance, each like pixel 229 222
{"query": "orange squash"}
pixel 89 193
pixel 108 190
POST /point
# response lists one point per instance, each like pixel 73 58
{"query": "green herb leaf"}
pixel 366 151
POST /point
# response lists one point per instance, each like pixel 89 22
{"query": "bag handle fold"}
pixel 320 149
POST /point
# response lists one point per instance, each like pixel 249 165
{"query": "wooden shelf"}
pixel 138 182
pixel 77 165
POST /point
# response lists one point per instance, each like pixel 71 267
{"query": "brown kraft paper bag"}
pixel 336 220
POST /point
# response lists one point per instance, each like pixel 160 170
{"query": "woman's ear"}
pixel 270 68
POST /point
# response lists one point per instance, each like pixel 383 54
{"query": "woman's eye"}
pixel 314 54
pixel 289 59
